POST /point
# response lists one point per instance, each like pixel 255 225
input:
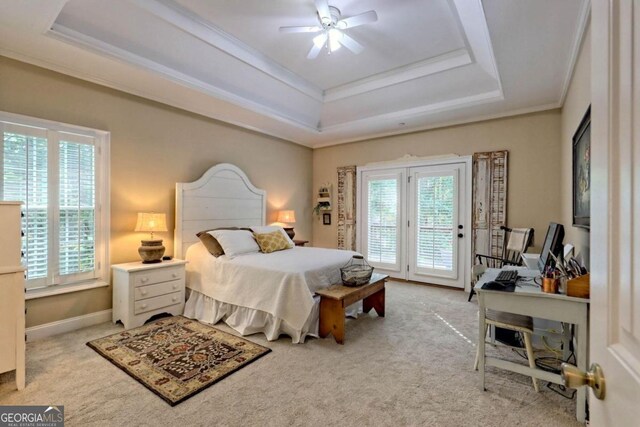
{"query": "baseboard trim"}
pixel 39 332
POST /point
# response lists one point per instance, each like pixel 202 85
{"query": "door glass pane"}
pixel 436 222
pixel 382 227
pixel 77 208
pixel 25 179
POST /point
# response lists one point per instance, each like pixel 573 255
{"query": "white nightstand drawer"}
pixel 159 275
pixel 150 291
pixel 157 302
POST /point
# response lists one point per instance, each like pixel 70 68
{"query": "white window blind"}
pixel 436 222
pixel 382 226
pixel 25 178
pixel 77 208
pixel 56 174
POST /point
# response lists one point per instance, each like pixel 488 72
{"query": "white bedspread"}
pixel 280 283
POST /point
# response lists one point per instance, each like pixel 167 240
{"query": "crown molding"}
pixel 192 24
pixel 472 119
pixel 73 37
pixel 583 24
pixel 412 113
pixel 416 70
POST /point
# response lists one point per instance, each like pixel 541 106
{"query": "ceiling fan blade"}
pixel 351 44
pixel 318 44
pixel 314 52
pixel 323 10
pixel 354 21
pixel 313 29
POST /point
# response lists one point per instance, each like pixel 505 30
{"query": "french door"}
pixel 413 222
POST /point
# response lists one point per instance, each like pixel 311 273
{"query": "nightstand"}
pixel 144 290
pixel 300 242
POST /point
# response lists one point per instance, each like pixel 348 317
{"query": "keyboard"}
pixel 509 276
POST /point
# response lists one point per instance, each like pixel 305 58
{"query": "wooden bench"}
pixel 335 298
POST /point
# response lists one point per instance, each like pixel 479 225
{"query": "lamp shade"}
pixel 288 217
pixel 151 222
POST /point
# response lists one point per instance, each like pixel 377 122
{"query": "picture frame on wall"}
pixel 582 173
pixel 326 219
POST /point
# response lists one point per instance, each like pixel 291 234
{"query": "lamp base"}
pixel 289 231
pixel 151 251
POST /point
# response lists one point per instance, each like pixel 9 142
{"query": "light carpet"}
pixel 413 367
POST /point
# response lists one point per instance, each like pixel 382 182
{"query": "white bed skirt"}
pixel 248 321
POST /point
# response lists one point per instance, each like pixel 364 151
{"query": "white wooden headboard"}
pixel 222 197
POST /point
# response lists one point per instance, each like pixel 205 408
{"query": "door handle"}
pixel 572 377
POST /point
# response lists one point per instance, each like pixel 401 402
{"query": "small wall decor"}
pixel 326 218
pixel 582 173
pixel 323 202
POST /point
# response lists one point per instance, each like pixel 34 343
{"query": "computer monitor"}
pixel 552 245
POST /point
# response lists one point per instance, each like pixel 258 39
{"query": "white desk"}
pixel 529 300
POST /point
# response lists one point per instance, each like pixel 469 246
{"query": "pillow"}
pixel 271 242
pixel 211 243
pixel 270 229
pixel 235 242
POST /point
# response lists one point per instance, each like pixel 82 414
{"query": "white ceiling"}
pixel 425 64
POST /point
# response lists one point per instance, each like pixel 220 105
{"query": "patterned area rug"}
pixel 177 357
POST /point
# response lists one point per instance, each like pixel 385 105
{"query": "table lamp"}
pixel 287 217
pixel 151 251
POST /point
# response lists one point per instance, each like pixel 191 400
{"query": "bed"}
pixel 252 293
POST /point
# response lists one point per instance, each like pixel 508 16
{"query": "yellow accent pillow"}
pixel 271 242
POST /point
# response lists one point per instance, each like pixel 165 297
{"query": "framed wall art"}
pixel 582 173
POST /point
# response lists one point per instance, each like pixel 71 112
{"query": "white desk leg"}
pixel 482 332
pixel 581 363
pixel 566 340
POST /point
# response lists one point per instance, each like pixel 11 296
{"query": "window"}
pixel 435 223
pixel 60 174
pixel 383 221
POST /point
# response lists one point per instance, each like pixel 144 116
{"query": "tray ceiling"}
pixel 425 64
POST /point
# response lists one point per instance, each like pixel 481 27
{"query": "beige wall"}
pixel 534 164
pixel 575 105
pixel 153 146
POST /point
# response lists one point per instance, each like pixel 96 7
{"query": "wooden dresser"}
pixel 12 290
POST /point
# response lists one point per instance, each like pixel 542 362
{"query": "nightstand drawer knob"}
pixel 144 292
pixel 175 286
pixel 143 306
pixel 144 280
pixel 174 275
pixel 174 299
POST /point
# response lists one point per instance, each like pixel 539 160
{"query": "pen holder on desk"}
pixel 550 285
pixel 579 287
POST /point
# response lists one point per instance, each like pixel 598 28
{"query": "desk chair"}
pixel 516 242
pixel 514 322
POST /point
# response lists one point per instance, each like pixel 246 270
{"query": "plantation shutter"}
pixel 25 179
pixel 383 220
pixel 436 222
pixel 53 173
pixel 77 216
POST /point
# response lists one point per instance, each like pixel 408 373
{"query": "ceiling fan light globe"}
pixel 334 39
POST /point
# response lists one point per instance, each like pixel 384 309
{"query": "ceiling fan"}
pixel 332 28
